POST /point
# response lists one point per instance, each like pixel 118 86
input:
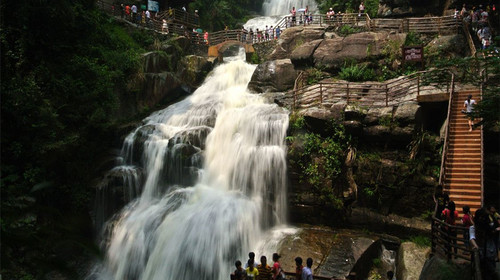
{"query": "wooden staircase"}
pixel 463 159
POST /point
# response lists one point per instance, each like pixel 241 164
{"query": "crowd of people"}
pixel 482 232
pixel 253 270
pixel 478 19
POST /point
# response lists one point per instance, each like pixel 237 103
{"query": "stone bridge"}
pixel 219 49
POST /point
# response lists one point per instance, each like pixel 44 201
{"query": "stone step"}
pixel 464 181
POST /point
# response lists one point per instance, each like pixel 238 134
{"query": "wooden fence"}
pixel 373 94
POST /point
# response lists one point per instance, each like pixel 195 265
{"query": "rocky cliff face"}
pixel 166 76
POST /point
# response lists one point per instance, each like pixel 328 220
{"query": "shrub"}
pixel 357 73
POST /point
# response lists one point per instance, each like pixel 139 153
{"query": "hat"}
pixel 276 256
pixel 331 9
pixel 195 11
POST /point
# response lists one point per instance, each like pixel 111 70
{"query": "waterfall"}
pixel 214 181
pixel 280 7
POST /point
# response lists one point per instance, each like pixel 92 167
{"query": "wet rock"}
pixel 275 75
pixel 155 62
pixel 193 69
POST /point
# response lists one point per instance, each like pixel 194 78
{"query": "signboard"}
pixel 413 53
pixel 153 6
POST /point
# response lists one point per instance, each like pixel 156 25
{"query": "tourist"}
pixel 239 273
pixel 259 35
pixel 463 12
pixel 298 268
pixel 278 32
pixel 469 107
pixel 449 215
pixel 251 257
pixel 250 33
pixel 205 37
pixel 307 270
pixel 277 271
pixel 164 26
pixel 294 14
pixel 148 18
pixel 271 32
pixel 127 11
pixel 134 13
pixel 361 9
pixel 467 222
pixel 482 238
pixel 306 15
pixel 251 270
pixel 266 33
pixel 390 275
pixel 442 200
pixel 122 10
pixel 495 218
pixel 265 271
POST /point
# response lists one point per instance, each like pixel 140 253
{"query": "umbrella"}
pixel 301 10
pixel 199 30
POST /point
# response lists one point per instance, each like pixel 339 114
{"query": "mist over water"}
pixel 214 184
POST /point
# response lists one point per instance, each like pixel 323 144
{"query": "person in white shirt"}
pixel 469 107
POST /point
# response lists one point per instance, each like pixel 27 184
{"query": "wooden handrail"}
pixel 450 245
pixel 370 93
pixel 444 152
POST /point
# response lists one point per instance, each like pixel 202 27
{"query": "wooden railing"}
pixel 470 42
pixel 373 94
pixel 449 240
pixel 444 153
pixel 179 16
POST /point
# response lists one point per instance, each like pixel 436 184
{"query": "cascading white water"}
pixel 283 7
pixel 179 231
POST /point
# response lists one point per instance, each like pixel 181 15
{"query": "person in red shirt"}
pixel 450 215
pixel 467 222
pixel 276 267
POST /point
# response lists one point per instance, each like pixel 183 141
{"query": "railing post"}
pixel 418 85
pixel 386 96
pixel 321 94
pixel 347 100
pixel 294 99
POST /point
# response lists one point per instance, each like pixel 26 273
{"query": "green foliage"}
pixel 347 30
pixel 413 39
pixel 255 59
pixel 60 72
pixel 320 160
pixel 371 7
pixel 216 14
pixel 357 73
pixel 377 262
pixel 314 75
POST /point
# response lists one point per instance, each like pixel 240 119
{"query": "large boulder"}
pixel 332 53
pixel 294 37
pixel 303 55
pixel 274 75
pixel 448 45
pixel 411 259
